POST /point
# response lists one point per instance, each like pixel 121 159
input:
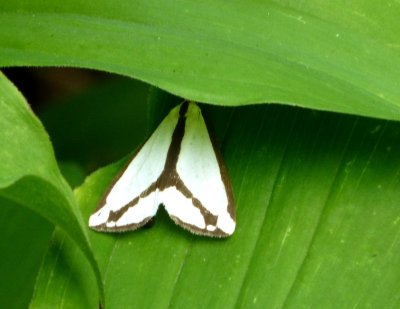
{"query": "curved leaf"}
pixel 29 175
pixel 317 55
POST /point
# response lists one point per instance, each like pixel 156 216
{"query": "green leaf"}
pixel 66 278
pixel 21 254
pixel 318 55
pixel 317 210
pixel 29 176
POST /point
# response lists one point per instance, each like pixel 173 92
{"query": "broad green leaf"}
pixel 317 201
pixel 21 254
pixel 29 176
pixel 65 279
pixel 330 56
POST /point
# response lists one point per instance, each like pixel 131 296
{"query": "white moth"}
pixel 178 167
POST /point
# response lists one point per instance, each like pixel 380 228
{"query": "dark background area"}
pixel 44 86
pixel 93 118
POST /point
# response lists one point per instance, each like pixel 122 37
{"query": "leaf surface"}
pixel 21 254
pixel 29 175
pixel 317 198
pixel 326 56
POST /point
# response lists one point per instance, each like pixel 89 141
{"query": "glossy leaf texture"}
pixel 318 223
pixel 327 56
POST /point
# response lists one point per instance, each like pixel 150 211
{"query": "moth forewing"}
pixel 201 171
pixel 138 176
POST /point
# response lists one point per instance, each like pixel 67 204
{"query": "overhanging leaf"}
pixel 319 55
